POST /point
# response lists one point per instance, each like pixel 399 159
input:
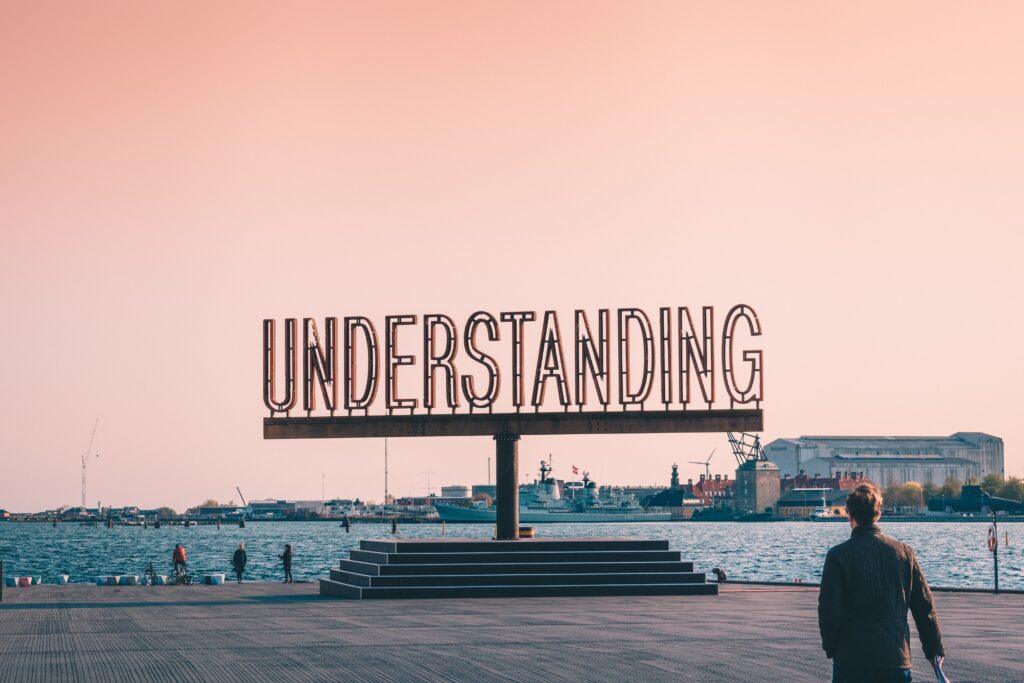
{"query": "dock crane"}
pixel 746 448
pixel 85 459
pixel 245 506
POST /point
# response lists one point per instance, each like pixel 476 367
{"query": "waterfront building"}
pixel 678 501
pixel 4 514
pixel 846 481
pixel 339 507
pixel 888 460
pixel 272 509
pixel 718 493
pixel 757 486
pixel 455 491
pixel 219 511
pixel 802 502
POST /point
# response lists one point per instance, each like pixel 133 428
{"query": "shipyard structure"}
pixel 889 460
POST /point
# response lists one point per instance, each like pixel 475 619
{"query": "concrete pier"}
pixel 273 632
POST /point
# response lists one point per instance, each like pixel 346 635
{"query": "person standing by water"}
pixel 178 558
pixel 238 560
pixel 286 560
pixel 867 587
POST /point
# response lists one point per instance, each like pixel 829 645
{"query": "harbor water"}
pixel 952 554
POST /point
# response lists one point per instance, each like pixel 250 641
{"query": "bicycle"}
pixel 180 577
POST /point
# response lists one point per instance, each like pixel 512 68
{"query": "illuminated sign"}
pixel 676 359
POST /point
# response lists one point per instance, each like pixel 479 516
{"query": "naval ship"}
pixel 544 501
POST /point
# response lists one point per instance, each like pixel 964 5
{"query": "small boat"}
pixel 824 513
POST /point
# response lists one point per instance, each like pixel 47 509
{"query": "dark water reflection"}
pixel 952 554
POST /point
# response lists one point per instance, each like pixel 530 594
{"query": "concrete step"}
pixel 513 579
pixel 373 569
pixel 461 545
pixel 344 590
pixel 517 556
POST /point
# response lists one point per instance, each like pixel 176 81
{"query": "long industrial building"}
pixel 888 460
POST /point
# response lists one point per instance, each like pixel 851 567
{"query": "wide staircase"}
pixel 467 568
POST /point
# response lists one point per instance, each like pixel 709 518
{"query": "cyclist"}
pixel 178 557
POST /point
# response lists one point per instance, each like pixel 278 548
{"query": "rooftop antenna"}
pixel 706 463
pixel 429 489
pixel 85 458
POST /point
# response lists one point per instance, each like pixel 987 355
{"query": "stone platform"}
pixel 474 568
pixel 273 633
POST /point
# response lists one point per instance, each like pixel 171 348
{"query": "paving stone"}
pixel 273 632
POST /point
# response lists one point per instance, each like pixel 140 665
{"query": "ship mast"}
pixel 85 458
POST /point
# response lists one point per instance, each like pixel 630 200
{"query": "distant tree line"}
pixel 913 493
pixel 1011 487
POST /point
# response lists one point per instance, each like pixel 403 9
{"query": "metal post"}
pixel 995 550
pixel 507 486
pixel 1 580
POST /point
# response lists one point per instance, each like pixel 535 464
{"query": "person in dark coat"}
pixel 238 560
pixel 868 585
pixel 286 560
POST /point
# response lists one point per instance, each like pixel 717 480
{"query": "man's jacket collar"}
pixel 866 529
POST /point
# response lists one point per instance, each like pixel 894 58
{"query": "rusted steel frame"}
pixel 524 424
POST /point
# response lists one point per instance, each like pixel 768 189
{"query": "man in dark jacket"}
pixel 238 560
pixel 867 586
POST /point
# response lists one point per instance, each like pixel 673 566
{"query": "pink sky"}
pixel 173 173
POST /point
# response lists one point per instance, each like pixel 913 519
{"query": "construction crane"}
pixel 706 463
pixel 746 448
pixel 245 505
pixel 85 458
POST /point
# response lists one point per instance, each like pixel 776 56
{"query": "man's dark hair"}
pixel 865 504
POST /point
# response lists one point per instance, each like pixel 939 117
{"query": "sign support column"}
pixel 507 486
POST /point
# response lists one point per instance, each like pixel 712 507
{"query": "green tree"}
pixel 992 484
pixel 1012 488
pixel 913 494
pixel 165 513
pixel 891 495
pixel 910 494
pixel 951 488
pixel 209 502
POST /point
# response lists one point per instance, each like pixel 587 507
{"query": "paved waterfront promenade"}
pixel 272 632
